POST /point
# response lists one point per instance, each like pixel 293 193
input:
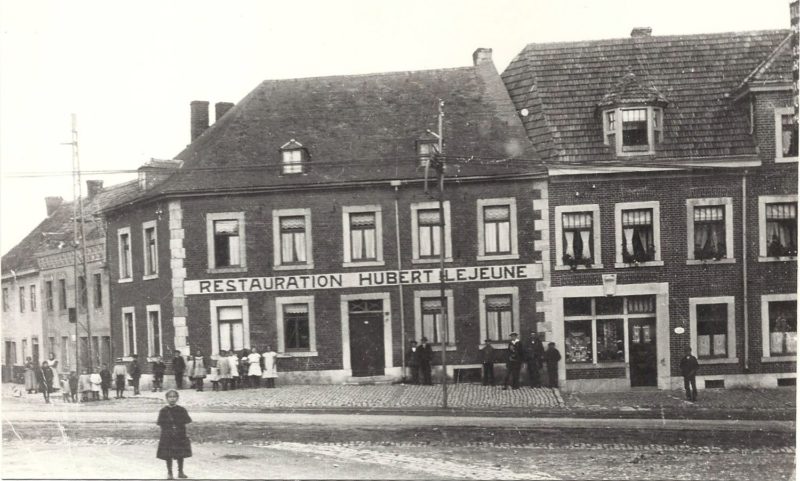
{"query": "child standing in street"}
pixel 120 373
pixel 73 386
pixel 84 385
pixel 173 443
pixel 66 393
pixel 96 380
pixel 105 381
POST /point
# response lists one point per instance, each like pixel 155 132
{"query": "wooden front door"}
pixel 642 355
pixel 366 337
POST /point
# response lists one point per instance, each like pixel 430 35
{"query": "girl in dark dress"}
pixel 173 443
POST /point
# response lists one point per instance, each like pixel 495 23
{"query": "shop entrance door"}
pixel 366 337
pixel 642 354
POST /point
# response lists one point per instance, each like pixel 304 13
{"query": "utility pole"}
pixel 440 168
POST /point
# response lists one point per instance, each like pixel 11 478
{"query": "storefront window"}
pixel 609 305
pixel 783 327
pixel 578 341
pixel 610 340
pixel 578 306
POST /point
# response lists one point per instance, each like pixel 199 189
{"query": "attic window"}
pixel 293 158
pixel 639 130
pixel 426 149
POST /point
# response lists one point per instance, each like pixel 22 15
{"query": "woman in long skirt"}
pixel 30 375
pixel 53 363
pixel 173 443
pixel 270 371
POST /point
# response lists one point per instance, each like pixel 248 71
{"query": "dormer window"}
pixel 294 158
pixel 639 131
pixel 427 148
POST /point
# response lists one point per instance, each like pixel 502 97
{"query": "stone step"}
pixel 369 380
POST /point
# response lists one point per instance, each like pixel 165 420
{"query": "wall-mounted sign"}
pixel 609 284
pixel 679 330
pixel 348 280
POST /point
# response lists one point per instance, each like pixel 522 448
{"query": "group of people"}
pixel 535 356
pixel 419 360
pixel 230 370
pixel 46 379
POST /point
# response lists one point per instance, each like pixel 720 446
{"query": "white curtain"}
pixel 369 244
pixel 775 230
pixel 492 325
pixel 286 247
pixel 628 233
pixel 225 336
pixel 300 246
pixel 436 239
pixel 568 248
pixel 504 237
pixel 700 236
pixel 428 326
pixel 587 252
pixel 233 250
pixel 490 236
pixel 356 239
pixel 425 241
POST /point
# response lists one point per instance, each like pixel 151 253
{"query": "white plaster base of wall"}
pixel 765 380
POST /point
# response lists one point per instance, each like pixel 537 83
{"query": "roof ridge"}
pixel 371 74
pixel 767 62
pixel 643 40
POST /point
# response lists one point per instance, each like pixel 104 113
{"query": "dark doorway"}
pixel 643 358
pixel 366 337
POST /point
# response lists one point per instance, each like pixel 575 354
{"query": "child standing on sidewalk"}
pixel 66 393
pixel 95 381
pixel 173 443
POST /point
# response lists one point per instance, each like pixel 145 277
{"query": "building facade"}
pixel 672 205
pixel 316 235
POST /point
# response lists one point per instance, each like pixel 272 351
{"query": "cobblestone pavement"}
pixel 719 399
pixel 354 396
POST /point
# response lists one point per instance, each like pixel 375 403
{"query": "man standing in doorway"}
pixel 552 356
pixel 413 362
pixel 178 368
pixel 689 367
pixel 515 355
pixel 425 355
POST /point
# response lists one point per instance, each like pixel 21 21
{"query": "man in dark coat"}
pixel 136 373
pixel 178 368
pixel 488 362
pixel 535 360
pixel 44 376
pixel 551 357
pixel 689 367
pixel 425 356
pixel 105 381
pixel 413 362
pixel 158 373
pixel 515 354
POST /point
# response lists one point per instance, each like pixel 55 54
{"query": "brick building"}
pixel 672 206
pixel 300 220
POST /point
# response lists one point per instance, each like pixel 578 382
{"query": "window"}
pixel 230 325
pixel 426 232
pixel 638 233
pixel 293 158
pixel 5 299
pixel 82 291
pixel 128 331
pixel 150 248
pixel 154 332
pixel 777 227
pixel 710 229
pixel 499 315
pixel 363 235
pixel 596 328
pixel 65 352
pixel 637 132
pixel 428 317
pixel 497 229
pixel 124 245
pixel 62 294
pixel 48 295
pixel 577 236
pixel 779 326
pixel 22 299
pixel 713 328
pixel 98 290
pixel 292 237
pixel 296 325
pixel 225 234
pixel 33 297
pixel 24 350
pixel 785 135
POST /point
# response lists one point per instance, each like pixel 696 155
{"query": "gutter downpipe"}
pixel 744 275
pixel 396 185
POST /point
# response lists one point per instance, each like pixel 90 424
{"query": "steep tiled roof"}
pixel 561 84
pixel 631 90
pixel 56 231
pixel 355 128
pixel 776 68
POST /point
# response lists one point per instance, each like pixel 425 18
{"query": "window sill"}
pixel 438 347
pixel 631 153
pixel 223 270
pixel 785 160
pixel 623 265
pixel 127 358
pixel 777 259
pixel 430 261
pixel 697 262
pixel 364 264
pixel 125 281
pixel 599 365
pixel 779 359
pixel 496 345
pixel 720 360
pixel 298 354
pixel 151 276
pixel 497 257
pixel 579 268
pixel 294 267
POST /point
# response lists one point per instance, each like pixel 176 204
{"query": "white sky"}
pixel 129 70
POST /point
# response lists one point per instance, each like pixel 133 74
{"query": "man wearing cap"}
pixel 424 360
pixel 514 361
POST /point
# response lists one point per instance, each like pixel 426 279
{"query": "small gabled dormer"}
pixel 632 117
pixel 427 146
pixel 294 158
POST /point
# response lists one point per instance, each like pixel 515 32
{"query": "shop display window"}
pixel 578 341
pixel 610 340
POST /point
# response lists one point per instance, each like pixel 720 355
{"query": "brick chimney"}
pixel 199 120
pixel 93 187
pixel 220 109
pixel 641 32
pixel 481 55
pixel 52 204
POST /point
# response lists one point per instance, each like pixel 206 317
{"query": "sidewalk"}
pixel 463 400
